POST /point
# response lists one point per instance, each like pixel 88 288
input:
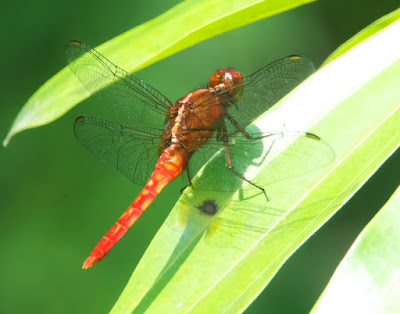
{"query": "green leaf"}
pixel 220 263
pixel 184 25
pixel 368 280
pixel 364 34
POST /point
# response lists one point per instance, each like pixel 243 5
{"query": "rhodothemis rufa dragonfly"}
pixel 155 139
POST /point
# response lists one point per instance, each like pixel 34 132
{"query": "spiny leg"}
pixel 252 138
pixel 230 166
pixel 189 179
pixel 244 132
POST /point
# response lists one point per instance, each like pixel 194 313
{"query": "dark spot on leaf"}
pixel 208 207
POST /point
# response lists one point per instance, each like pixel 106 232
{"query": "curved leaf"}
pixel 364 34
pixel 220 263
pixel 182 26
pixel 368 279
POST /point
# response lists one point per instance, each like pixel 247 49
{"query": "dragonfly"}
pixel 154 139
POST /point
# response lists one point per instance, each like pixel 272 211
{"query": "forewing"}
pixel 261 90
pixel 267 86
pixel 130 98
pixel 130 150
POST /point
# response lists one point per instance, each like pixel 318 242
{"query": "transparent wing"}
pixel 131 150
pixel 130 98
pixel 306 154
pixel 262 89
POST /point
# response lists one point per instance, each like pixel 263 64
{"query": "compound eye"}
pixel 215 78
pixel 228 77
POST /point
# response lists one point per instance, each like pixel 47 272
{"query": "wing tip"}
pixel 313 136
pixel 295 57
pixel 74 42
pixel 74 50
pixel 80 119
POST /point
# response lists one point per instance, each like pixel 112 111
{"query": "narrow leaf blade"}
pixel 182 26
pixel 368 279
pixel 221 263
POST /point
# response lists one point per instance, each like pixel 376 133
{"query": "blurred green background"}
pixel 57 200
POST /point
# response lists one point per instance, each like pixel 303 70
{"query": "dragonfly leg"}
pixel 230 166
pixel 244 132
pixel 251 137
pixel 189 179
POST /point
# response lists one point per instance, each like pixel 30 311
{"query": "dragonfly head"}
pixel 230 79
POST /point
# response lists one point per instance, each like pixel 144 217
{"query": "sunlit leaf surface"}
pixel 220 263
pixel 368 278
pixel 364 34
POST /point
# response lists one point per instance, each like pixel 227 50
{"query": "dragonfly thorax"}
pixel 193 119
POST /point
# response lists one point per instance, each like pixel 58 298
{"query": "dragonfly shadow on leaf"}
pixel 244 153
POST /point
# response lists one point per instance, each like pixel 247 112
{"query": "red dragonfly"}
pixel 158 139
